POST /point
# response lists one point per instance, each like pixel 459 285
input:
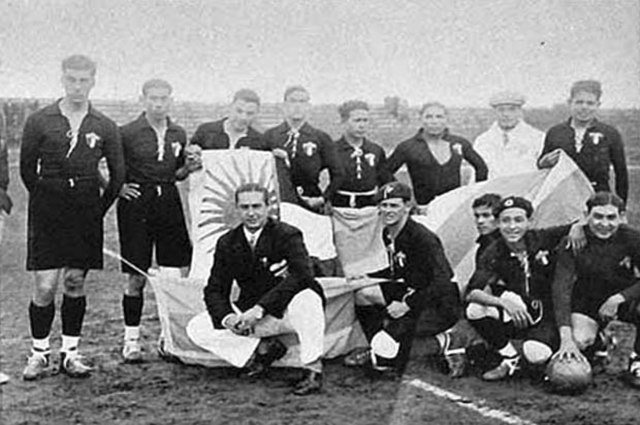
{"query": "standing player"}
pixel 149 210
pixel 600 283
pixel 5 200
pixel 593 145
pixel 419 282
pixel 434 156
pixel 303 152
pixel 234 131
pixel 364 163
pixel 510 146
pixel 61 147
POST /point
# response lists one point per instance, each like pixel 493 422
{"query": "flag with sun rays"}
pixel 211 197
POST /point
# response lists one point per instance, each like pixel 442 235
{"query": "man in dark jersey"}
pixel 434 156
pixel 235 131
pixel 150 212
pixel 509 294
pixel 599 284
pixel 363 162
pixel 592 144
pixel 62 145
pixel 419 286
pixel 302 153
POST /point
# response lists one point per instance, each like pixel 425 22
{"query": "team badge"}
pixel 542 257
pixel 177 147
pixel 626 262
pixel 91 139
pixel 457 147
pixel 401 258
pixel 371 159
pixel 309 148
pixel 508 203
pixel 596 137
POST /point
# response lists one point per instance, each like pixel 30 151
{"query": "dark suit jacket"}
pixel 234 260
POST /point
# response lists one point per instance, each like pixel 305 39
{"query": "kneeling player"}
pixel 599 283
pixel 510 291
pixel 419 280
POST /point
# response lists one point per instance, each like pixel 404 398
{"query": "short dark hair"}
pixel 252 187
pixel 247 95
pixel 80 62
pixel 430 104
pixel 156 83
pixel 293 89
pixel 351 105
pixel 605 198
pixel 589 86
pixel 489 200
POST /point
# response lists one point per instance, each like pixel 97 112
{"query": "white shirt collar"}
pixel 249 235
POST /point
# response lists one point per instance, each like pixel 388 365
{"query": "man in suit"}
pixel 278 294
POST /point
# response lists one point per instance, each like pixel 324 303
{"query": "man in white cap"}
pixel 510 146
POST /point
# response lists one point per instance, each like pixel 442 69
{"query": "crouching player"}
pixel 149 209
pixel 419 286
pixel 599 284
pixel 278 293
pixel 510 292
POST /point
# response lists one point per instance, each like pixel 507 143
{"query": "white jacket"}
pixel 518 156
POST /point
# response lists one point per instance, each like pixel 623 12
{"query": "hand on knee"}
pixel 536 352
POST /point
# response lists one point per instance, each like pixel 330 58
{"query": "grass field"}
pixel 157 392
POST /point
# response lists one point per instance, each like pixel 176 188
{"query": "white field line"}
pixel 479 406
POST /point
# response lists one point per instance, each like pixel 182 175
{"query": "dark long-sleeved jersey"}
pixel 602 148
pixel 603 268
pixel 428 176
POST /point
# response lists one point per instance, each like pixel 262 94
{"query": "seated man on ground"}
pixel 599 284
pixel 419 280
pixel 270 264
pixel 510 291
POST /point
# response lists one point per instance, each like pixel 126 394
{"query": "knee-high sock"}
pixel 492 330
pixel 371 318
pixel 40 319
pixel 72 313
pixel 132 308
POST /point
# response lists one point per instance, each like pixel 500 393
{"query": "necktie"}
pixel 292 142
pixel 253 239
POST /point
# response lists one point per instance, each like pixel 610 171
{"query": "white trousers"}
pixel 304 316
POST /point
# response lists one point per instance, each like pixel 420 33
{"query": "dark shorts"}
pixel 154 219
pixel 627 311
pixel 64 225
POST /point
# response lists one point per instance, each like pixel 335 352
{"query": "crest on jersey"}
pixel 309 148
pixel 596 138
pixel 371 159
pixel 91 139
